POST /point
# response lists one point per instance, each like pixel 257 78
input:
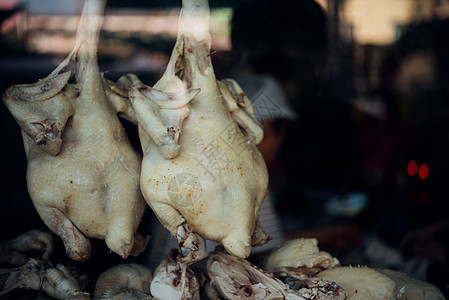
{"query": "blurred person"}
pixel 280 49
pixel 312 158
pixel 273 111
pixel 286 39
pixel 285 42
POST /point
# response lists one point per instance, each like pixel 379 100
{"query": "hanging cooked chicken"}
pixel 201 174
pixel 82 172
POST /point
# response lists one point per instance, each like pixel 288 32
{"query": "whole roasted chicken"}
pixel 201 172
pixel 82 172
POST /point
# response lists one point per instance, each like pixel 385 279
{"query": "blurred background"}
pixel 364 166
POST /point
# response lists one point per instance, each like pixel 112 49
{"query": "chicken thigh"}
pixel 82 172
pixel 201 173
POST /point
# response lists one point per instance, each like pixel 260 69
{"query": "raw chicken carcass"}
pixel 237 278
pixel 302 252
pixel 15 252
pixel 60 282
pixel 312 287
pixel 361 282
pixel 201 174
pixel 368 283
pixel 410 288
pixel 82 172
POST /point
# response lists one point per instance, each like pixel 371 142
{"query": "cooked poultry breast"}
pixel 82 172
pixel 201 174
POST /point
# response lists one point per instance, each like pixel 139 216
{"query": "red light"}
pixel 423 171
pixel 412 168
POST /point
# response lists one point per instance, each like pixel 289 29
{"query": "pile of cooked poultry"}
pixel 86 181
pixel 296 270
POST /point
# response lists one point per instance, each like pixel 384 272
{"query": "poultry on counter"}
pixel 26 266
pixel 82 172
